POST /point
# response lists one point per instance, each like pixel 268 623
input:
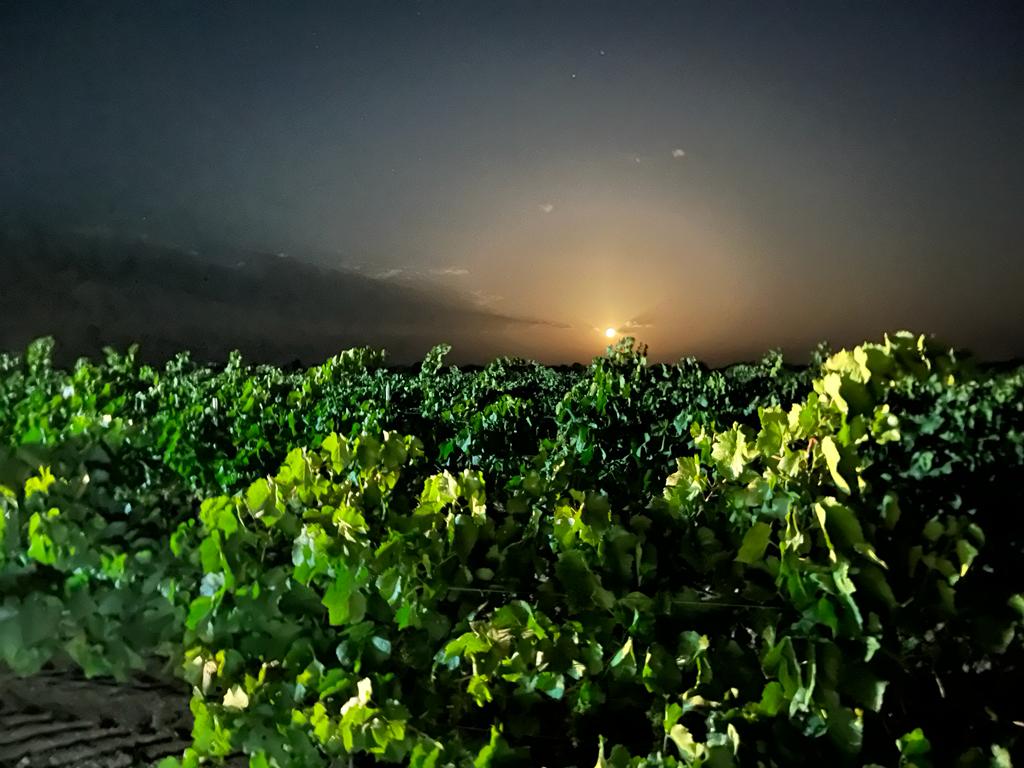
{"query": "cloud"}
pixel 169 301
pixel 636 323
pixel 484 299
pixel 624 329
pixel 547 207
pixel 454 271
pixel 678 153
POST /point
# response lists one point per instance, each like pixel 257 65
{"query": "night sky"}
pixel 715 178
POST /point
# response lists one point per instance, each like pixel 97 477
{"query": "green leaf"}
pixel 582 585
pixel 689 749
pixel 729 452
pixel 755 542
pixel 832 459
pixel 218 514
pixel 966 552
pixel 933 529
pixel 1016 603
pixel 843 524
pixel 425 756
pixel 1001 757
pixel 624 658
pixel 466 535
pixel 41 546
pixel 466 644
pixel 692 645
pixel 846 729
pixel 660 673
pixel 337 598
pixel 866 689
pixel 774 431
pixel 913 744
pixel 824 613
pixel 673 712
pixel 198 610
pixel 831 385
pixel 261 500
pixel 773 699
pixel 551 684
pixel 687 483
pixel 382 644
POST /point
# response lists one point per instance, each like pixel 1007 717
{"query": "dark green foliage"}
pixel 638 565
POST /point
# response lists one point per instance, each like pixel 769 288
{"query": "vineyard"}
pixel 625 564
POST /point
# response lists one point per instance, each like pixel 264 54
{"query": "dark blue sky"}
pixel 724 176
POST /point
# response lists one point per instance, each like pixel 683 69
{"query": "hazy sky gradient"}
pixel 846 167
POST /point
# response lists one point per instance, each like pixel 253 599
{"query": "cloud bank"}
pixel 90 293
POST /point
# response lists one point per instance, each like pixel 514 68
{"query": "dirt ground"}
pixel 62 719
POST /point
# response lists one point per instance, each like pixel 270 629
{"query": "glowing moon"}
pixel 610 333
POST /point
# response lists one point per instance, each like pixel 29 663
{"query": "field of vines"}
pixel 621 564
